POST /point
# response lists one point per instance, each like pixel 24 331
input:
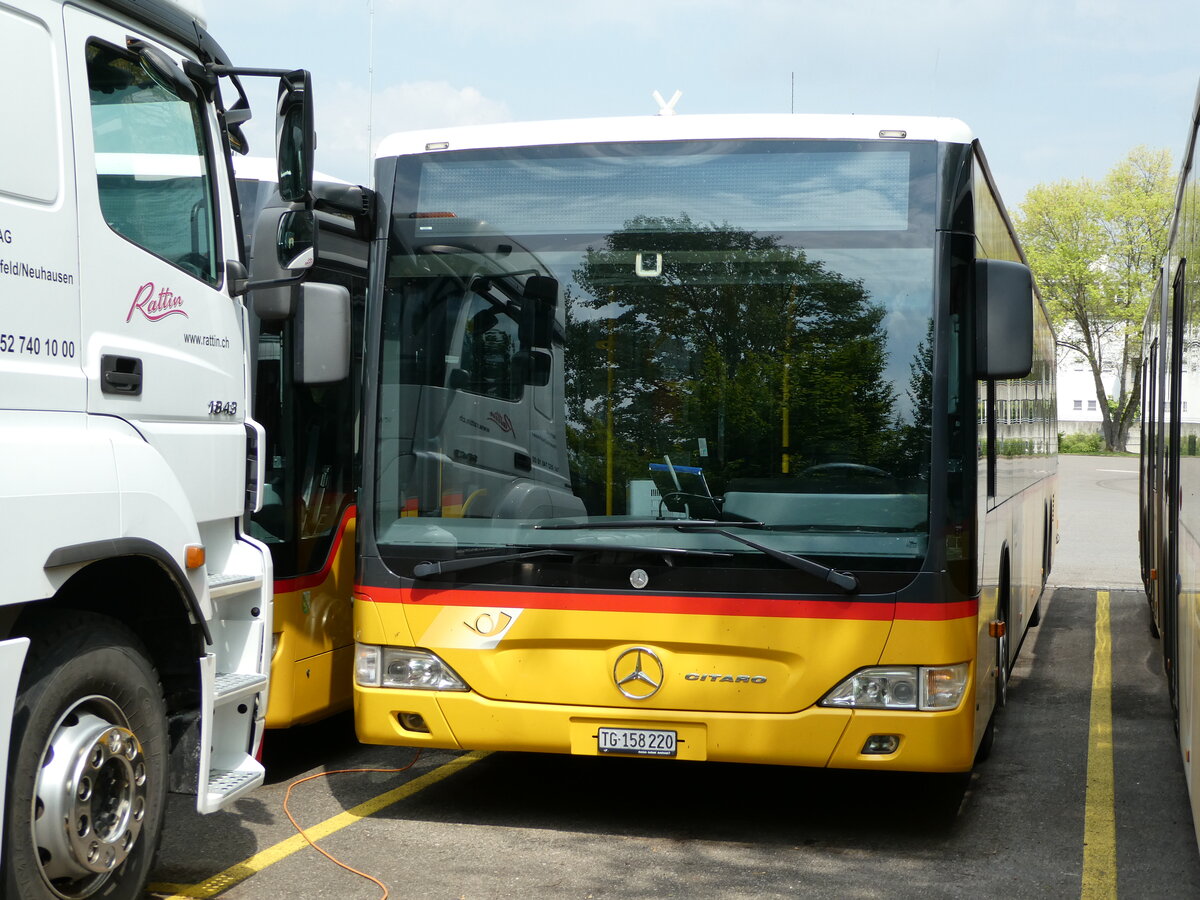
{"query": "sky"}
pixel 1054 89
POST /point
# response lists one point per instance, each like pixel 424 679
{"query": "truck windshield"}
pixel 612 336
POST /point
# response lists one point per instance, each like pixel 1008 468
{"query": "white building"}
pixel 1078 407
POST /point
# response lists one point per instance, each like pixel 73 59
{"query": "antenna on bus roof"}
pixel 666 108
pixel 370 87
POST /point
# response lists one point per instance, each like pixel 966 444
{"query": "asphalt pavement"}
pixel 1083 796
pixel 1097 523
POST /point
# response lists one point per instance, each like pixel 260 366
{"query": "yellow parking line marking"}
pixel 239 872
pixel 1099 815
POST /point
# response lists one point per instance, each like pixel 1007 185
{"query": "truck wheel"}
pixel 87 767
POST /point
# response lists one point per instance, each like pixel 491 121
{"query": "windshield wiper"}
pixel 650 523
pixel 437 567
pixel 844 580
pixel 429 568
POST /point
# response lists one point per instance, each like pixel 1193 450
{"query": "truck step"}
pixel 221 584
pixel 224 785
pixel 229 687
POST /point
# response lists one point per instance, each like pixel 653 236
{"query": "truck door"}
pixel 162 344
pixel 39 306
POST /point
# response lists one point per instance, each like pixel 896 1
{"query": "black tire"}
pixel 1002 666
pixel 86 688
pixel 989 734
pixel 988 741
pixel 1003 618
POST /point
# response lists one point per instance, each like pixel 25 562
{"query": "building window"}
pixel 1091 406
pixel 1078 405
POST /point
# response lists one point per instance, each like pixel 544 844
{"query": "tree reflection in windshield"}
pixel 724 352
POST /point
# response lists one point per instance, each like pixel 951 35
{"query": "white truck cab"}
pixel 135 614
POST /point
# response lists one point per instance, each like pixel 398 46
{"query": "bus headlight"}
pixel 925 688
pixel 396 667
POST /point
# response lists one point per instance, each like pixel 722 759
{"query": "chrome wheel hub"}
pixel 89 798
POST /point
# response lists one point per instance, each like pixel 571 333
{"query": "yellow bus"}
pixel 310 457
pixel 700 437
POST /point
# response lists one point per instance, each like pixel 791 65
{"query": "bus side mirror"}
pixel 1004 301
pixel 284 249
pixel 296 240
pixel 295 137
pixel 322 333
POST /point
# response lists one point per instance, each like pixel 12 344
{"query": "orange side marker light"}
pixel 194 556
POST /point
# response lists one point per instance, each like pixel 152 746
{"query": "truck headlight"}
pixel 925 688
pixel 396 667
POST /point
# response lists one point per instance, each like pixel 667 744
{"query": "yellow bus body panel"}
pixel 738 688
pixel 313 657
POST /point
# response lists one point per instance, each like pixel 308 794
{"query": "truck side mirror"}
pixel 1004 301
pixel 295 137
pixel 539 311
pixel 322 333
pixel 283 250
pixel 535 366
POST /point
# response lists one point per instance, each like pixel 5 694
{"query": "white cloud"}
pixel 342 112
pixel 548 20
pixel 432 104
pixel 1065 78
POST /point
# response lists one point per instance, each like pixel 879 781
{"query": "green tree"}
pixel 1095 249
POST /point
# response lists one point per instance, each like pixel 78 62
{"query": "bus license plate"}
pixel 637 741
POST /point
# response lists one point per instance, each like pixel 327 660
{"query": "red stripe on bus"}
pixel 750 607
pixel 303 582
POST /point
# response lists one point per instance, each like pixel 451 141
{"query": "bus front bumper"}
pixel 816 737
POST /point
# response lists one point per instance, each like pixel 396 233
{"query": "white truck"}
pixel 135 612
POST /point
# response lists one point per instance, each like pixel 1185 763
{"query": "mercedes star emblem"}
pixel 638 673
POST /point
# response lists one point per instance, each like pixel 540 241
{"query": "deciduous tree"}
pixel 1095 249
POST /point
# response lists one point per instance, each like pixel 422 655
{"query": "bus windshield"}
pixel 657 345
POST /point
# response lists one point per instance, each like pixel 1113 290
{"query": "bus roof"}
pixel 673 128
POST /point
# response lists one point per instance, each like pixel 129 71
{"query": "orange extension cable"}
pixel 313 844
